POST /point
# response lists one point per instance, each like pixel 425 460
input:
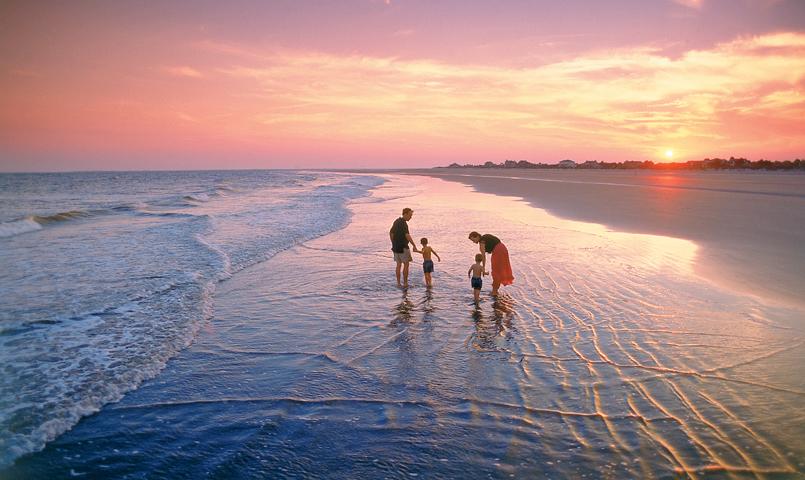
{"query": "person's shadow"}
pixel 404 339
pixel 403 312
pixel 491 333
pixel 503 311
pixel 427 306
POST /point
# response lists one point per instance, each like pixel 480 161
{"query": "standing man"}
pixel 400 238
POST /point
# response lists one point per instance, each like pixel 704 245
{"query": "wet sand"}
pixel 750 226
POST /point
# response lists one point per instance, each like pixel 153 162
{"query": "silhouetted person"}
pixel 400 238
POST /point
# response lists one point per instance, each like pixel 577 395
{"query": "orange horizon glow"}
pixel 194 101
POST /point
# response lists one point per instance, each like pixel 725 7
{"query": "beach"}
pixel 205 209
pixel 750 225
pixel 610 355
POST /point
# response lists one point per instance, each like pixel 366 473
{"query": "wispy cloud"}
pixel 23 72
pixel 231 49
pixel 183 71
pixel 634 100
pixel 186 117
pixel 697 4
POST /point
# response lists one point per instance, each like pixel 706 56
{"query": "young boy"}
pixel 474 273
pixel 427 263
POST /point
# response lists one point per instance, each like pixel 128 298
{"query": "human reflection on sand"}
pixel 403 311
pixel 493 323
pixel 428 306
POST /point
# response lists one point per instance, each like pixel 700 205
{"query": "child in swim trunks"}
pixel 475 274
pixel 427 262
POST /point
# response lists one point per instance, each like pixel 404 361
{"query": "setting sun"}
pixel 669 153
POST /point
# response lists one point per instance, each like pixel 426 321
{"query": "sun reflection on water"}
pixel 675 254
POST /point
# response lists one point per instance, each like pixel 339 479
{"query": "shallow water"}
pixel 608 358
pixel 748 225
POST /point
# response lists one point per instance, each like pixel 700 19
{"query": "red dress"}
pixel 501 268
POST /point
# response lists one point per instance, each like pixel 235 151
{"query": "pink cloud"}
pixel 741 96
pixel 183 71
pixel 630 100
pixel 22 72
pixel 697 4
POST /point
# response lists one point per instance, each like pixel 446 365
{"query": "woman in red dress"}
pixel 501 267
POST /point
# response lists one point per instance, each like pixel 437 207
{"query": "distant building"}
pixel 567 164
pixel 706 164
pixel 695 164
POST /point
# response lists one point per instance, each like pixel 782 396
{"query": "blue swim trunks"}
pixel 427 265
pixel 477 283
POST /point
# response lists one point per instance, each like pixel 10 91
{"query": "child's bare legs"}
pixel 476 294
pixel 428 280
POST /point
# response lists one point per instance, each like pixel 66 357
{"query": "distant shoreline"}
pixel 662 167
pixel 717 164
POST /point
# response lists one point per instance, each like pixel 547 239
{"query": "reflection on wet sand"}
pixel 428 307
pixel 493 327
pixel 403 311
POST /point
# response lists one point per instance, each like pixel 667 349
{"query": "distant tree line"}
pixel 731 163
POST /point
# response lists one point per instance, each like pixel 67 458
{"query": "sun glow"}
pixel 265 97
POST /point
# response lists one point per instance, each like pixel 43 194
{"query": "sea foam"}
pixel 17 227
pixel 101 304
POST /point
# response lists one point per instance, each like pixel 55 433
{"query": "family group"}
pixel 400 238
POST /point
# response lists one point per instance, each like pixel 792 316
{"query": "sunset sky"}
pixel 397 83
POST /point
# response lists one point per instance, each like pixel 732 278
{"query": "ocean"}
pixel 247 325
pixel 105 276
